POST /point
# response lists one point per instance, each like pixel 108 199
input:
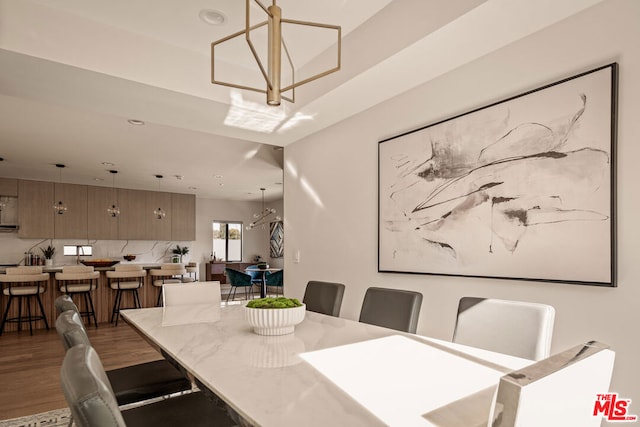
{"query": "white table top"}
pixel 331 371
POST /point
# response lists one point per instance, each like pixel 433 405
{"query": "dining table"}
pixel 263 277
pixel 330 371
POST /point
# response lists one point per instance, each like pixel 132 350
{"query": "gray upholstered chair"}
pixel 324 297
pixel 391 308
pixel 517 328
pixel 92 402
pixel 64 303
pixel 132 383
pixel 24 283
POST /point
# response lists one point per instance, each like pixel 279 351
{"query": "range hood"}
pixel 8 228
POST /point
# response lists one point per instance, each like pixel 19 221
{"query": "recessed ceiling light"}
pixel 221 184
pixel 108 164
pixel 135 122
pixel 212 17
pixel 193 188
pixel 179 177
pixel 218 176
pixel 98 179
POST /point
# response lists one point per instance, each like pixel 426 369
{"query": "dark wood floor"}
pixel 30 365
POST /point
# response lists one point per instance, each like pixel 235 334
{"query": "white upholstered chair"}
pixel 80 280
pixel 125 278
pixel 521 329
pixel 24 283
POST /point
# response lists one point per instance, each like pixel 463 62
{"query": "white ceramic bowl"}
pixel 274 321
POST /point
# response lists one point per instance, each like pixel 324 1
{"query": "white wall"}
pixel 331 189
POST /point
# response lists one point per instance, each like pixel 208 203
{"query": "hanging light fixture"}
pixel 275 46
pixel 159 213
pixel 60 207
pixel 113 210
pixel 264 216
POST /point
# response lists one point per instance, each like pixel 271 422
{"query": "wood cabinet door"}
pixel 8 187
pixel 73 223
pixel 183 217
pixel 35 209
pixel 133 215
pixel 101 225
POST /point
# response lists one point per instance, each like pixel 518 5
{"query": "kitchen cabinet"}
pixel 132 222
pixel 101 225
pixel 183 217
pixel 35 209
pixel 73 223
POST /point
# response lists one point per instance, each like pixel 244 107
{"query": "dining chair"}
pixel 324 297
pixel 561 390
pixel 131 384
pixel 191 293
pixel 24 284
pixel 275 280
pixel 256 276
pixel 92 402
pixel 64 303
pixel 391 308
pixel 238 279
pixel 521 329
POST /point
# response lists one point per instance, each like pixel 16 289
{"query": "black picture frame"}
pixel 520 189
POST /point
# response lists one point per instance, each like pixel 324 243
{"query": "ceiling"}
pixel 73 72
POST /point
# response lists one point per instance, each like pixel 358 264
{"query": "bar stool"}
pixel 125 278
pixel 192 269
pixel 24 283
pixel 171 272
pixel 82 280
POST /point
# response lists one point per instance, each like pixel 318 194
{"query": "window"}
pixel 227 240
pixel 77 250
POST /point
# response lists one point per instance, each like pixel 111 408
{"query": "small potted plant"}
pixel 48 255
pixel 179 252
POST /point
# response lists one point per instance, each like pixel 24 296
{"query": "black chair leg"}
pixel 6 313
pixel 116 306
pixel 29 317
pixel 19 314
pixel 93 312
pixel 158 303
pixel 44 316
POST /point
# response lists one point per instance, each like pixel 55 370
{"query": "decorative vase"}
pixel 48 262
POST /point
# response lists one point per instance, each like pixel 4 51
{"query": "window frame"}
pixel 226 238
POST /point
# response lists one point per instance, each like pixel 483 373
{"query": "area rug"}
pixel 55 418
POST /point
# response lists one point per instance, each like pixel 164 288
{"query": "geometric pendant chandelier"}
pixel 276 46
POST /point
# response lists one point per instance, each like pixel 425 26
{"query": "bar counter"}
pixel 103 297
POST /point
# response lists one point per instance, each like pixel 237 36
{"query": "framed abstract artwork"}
pixel 523 188
pixel 276 241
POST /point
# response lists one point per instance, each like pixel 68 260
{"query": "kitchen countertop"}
pixel 58 267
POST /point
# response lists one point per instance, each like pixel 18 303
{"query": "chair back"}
pixel 23 274
pixel 87 389
pixel 256 276
pixel 64 303
pixel 521 329
pixel 324 297
pixel 191 293
pixel 559 390
pixel 391 308
pixel 238 278
pixel 71 330
pixel 275 278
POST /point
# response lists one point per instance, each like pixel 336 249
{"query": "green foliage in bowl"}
pixel 279 302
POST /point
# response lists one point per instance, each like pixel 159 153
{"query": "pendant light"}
pixel 60 207
pixel 113 210
pixel 263 217
pixel 159 213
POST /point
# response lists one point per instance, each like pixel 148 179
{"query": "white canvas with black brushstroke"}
pixel 520 189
